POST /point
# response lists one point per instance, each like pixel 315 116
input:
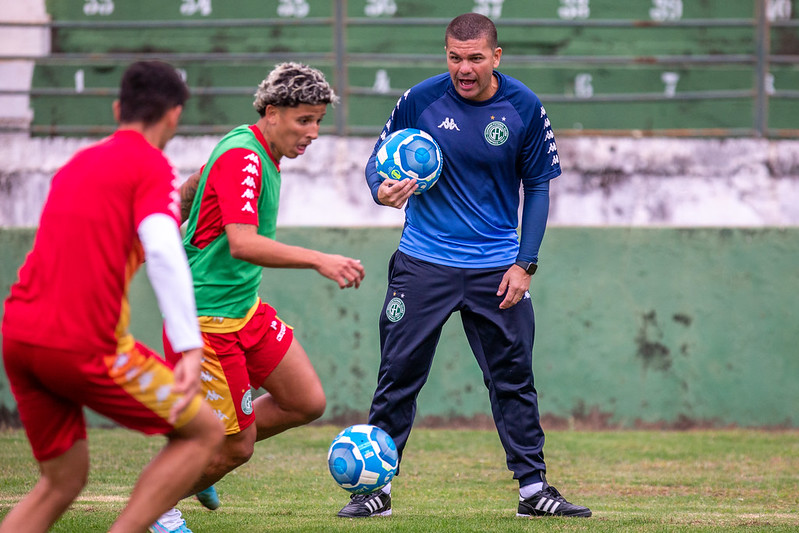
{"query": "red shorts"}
pixel 51 387
pixel 236 362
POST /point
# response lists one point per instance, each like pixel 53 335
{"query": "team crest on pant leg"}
pixel 246 403
pixel 395 309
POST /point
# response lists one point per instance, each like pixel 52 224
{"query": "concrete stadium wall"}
pixel 636 327
pixel 606 181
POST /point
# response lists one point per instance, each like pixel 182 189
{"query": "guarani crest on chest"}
pixel 496 132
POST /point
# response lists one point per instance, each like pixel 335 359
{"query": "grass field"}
pixel 455 480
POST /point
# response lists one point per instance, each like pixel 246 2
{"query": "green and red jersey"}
pixel 240 184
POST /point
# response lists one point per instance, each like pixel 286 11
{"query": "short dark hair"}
pixel 148 90
pixel 471 26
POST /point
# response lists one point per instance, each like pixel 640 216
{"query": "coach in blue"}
pixel 460 251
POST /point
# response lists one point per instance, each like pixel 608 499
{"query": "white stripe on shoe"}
pixel 374 504
pixel 541 504
pixel 547 505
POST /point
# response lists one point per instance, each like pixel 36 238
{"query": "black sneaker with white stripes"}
pixel 549 502
pixel 377 503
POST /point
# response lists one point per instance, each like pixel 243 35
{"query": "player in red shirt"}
pixel 66 343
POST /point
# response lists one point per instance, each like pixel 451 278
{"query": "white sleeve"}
pixel 170 278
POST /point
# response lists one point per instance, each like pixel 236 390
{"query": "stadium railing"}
pixel 659 69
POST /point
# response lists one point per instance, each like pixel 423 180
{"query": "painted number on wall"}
pixel 192 7
pixel 98 7
pixel 382 82
pixel 489 8
pixel 778 10
pixel 583 87
pixel 666 10
pixel 376 8
pixel 670 80
pixel 768 83
pixel 293 8
pixel 574 9
pixel 80 81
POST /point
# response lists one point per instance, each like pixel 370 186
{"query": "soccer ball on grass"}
pixel 362 458
pixel 410 153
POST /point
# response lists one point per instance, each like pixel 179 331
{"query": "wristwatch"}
pixel 527 266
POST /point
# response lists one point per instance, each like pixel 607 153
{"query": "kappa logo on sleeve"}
pixel 174 196
pixel 251 170
pixel 552 148
pixel 254 158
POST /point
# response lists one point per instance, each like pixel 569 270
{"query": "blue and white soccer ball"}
pixel 410 153
pixel 362 458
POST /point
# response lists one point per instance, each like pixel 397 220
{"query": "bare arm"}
pixel 247 245
pixel 187 193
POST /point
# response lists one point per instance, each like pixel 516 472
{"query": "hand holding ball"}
pixel 410 153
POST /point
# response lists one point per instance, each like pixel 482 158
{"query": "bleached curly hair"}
pixel 292 84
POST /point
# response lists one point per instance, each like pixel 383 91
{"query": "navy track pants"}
pixel 421 297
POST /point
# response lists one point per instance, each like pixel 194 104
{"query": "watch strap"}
pixel 527 266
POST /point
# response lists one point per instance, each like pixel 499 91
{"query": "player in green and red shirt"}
pixel 229 239
pixel 66 343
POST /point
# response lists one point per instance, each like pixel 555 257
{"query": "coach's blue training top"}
pixel 469 218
